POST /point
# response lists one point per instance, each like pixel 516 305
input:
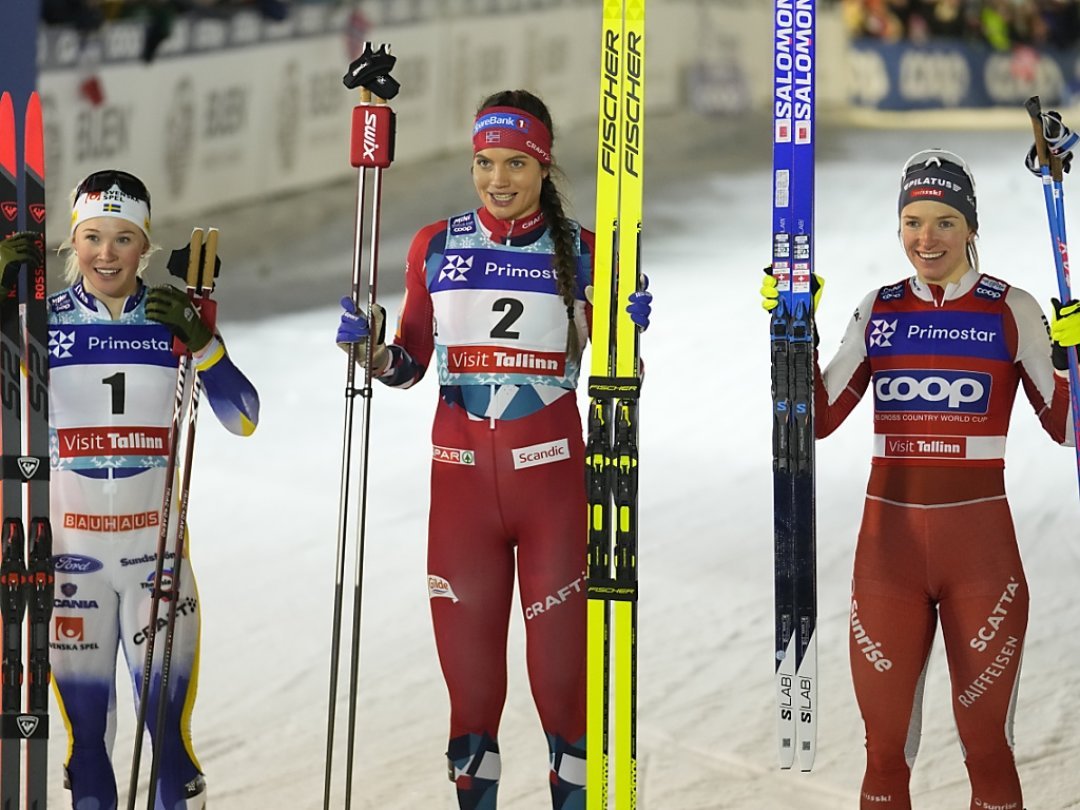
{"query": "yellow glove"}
pixel 1064 331
pixel 770 296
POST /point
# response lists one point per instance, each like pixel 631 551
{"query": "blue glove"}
pixel 354 328
pixel 640 306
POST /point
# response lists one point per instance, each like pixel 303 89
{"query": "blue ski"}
pixel 792 354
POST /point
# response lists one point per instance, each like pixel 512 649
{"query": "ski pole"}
pixel 199 272
pixel 180 403
pixel 1050 169
pixel 199 287
pixel 372 150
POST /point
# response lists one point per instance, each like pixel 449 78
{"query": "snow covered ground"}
pixel 264 515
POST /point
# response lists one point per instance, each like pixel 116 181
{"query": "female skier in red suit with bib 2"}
pixel 943 352
pixel 499 295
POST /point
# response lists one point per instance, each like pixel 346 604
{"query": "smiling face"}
pixel 508 182
pixel 108 250
pixel 935 238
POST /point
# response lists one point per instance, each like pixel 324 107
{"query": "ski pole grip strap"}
pixel 208 312
pixel 615 387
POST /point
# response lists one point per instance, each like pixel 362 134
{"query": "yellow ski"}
pixel 611 452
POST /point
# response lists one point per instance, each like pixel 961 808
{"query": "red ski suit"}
pixel 937 539
pixel 507 476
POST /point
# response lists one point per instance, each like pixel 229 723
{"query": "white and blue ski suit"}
pixel 112 389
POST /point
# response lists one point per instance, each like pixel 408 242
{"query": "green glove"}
pixel 1064 331
pixel 16 250
pixel 171 307
pixel 770 296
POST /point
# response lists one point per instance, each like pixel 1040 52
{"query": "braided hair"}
pixel 551 204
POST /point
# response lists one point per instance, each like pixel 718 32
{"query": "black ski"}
pixel 12 542
pixel 26 575
pixel 34 466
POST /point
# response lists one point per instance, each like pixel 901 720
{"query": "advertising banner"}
pixel 906 76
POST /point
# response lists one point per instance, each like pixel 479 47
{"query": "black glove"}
pixel 171 307
pixel 1060 140
pixel 15 251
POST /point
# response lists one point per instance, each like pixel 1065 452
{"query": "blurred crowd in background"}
pixel 1001 24
pixel 91 14
pixel 88 16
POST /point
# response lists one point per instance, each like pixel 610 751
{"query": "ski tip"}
pixel 7 134
pixel 35 147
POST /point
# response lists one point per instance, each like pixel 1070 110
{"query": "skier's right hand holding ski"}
pixel 354 329
pixel 770 296
pixel 16 250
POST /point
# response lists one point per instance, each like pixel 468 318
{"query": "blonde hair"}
pixel 973 251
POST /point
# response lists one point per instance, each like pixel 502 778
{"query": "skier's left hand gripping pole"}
pixel 371 151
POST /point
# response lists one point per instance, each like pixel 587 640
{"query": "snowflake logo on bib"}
pixel 60 343
pixel 456 268
pixel 882 332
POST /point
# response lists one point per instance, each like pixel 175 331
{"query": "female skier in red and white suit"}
pixel 499 295
pixel 943 352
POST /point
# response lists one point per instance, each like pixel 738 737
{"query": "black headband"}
pixel 940 180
